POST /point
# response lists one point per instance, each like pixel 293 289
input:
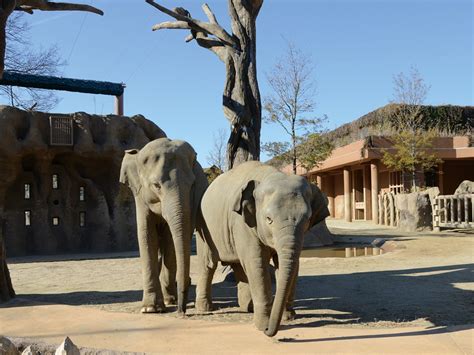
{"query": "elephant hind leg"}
pixel 243 290
pixel 207 267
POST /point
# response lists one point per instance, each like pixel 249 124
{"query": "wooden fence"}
pixel 453 211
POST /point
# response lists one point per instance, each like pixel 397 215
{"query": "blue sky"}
pixel 356 45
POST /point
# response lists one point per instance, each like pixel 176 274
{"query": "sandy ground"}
pixel 427 281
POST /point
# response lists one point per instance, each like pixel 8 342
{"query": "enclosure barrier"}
pixel 453 211
pixel 388 213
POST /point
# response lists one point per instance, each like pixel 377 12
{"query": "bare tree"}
pixel 8 6
pixel 291 105
pixel 21 57
pixel 241 99
pixel 412 139
pixel 217 154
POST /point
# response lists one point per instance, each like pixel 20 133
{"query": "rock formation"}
pixel 319 235
pixel 415 210
pixel 465 187
pixel 58 198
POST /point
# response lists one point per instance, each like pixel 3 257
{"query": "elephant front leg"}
pixel 289 312
pixel 207 267
pixel 258 275
pixel 168 269
pixel 148 246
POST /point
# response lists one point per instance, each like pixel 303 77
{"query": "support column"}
pixel 119 105
pixel 347 195
pixel 441 178
pixel 330 195
pixel 319 182
pixel 374 189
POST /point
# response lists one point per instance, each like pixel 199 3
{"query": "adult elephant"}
pixel 254 213
pixel 168 183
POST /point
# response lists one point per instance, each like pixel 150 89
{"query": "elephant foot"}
pixel 203 306
pixel 153 309
pixel 244 297
pixel 248 307
pixel 261 322
pixel 288 315
pixel 181 314
pixel 170 301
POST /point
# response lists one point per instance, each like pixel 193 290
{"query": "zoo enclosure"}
pixel 453 211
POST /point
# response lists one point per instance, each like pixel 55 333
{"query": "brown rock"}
pixel 67 348
pixel 105 219
pixel 415 210
pixel 465 187
pixel 318 236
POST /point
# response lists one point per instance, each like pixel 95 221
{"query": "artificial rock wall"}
pixel 60 220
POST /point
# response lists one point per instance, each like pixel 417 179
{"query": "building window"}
pixel 27 218
pixel 55 181
pixel 82 193
pixel 82 219
pixel 27 191
pixel 55 221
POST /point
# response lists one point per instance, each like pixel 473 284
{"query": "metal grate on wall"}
pixel 61 130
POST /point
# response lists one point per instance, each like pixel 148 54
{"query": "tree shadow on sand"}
pixel 432 293
pixel 436 294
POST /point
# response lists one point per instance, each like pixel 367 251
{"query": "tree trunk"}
pixel 242 107
pixel 6 8
pixel 6 288
pixel 241 99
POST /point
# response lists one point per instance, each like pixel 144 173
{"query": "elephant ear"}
pixel 199 187
pixel 319 206
pixel 129 171
pixel 244 203
pixel 199 178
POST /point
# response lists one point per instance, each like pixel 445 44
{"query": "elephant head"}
pixel 167 180
pixel 280 209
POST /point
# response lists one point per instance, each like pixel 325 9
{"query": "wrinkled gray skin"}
pixel 168 184
pixel 252 214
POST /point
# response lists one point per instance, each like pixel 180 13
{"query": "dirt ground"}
pixel 426 281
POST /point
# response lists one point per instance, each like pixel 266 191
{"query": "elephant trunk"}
pixel 288 250
pixel 178 216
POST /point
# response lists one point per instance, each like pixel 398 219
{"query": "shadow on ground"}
pixel 434 294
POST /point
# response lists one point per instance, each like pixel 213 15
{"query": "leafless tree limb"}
pixel 45 5
pixel 213 29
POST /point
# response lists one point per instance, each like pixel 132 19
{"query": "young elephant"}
pixel 168 184
pixel 254 213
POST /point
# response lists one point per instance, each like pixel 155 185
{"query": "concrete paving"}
pixel 93 328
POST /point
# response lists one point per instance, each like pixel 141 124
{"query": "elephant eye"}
pixel 269 220
pixel 157 185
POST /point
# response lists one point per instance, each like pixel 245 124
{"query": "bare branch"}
pixel 210 15
pixel 169 25
pixel 213 29
pixel 45 5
